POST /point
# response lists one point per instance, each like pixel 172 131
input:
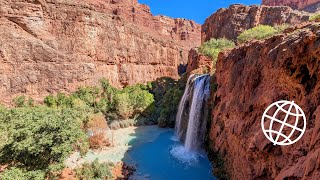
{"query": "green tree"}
pixel 123 105
pixel 169 106
pixel 40 138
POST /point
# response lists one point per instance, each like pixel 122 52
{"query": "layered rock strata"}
pixel 48 46
pixel 230 22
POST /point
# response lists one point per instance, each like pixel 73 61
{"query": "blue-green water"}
pixel 165 159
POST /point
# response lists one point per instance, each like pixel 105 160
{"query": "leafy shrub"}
pixel 64 100
pixel 258 33
pixel 21 174
pixel 50 101
pixel 94 170
pixel 315 17
pixel 108 90
pixel 89 95
pixel 133 100
pixel 140 99
pixel 169 106
pixel 20 101
pixel 41 138
pixel 167 93
pixel 213 47
pixel 282 27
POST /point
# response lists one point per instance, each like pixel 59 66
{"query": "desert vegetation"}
pixel 94 170
pixel 261 32
pixel 213 47
pixel 36 138
pixel 315 17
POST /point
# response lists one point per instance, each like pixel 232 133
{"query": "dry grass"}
pixel 97 127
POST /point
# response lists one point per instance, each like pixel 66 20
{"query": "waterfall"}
pixel 178 127
pixel 191 117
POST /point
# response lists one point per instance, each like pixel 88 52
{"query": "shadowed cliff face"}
pixel 230 22
pixel 295 4
pixel 48 46
pixel 249 79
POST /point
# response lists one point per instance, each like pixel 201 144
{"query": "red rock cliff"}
pixel 295 4
pixel 56 45
pixel 230 22
pixel 251 77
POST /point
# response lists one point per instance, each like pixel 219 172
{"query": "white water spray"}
pixel 191 117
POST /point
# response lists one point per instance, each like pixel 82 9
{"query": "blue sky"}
pixel 197 10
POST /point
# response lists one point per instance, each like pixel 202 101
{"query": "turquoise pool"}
pixel 164 158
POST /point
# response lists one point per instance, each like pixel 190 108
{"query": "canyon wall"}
pixel 48 46
pixel 251 77
pixel 199 63
pixel 232 21
pixel 295 4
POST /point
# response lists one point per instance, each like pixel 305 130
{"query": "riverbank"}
pixel 122 140
pixel 149 150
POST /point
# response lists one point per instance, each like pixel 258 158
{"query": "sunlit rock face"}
pixel 230 22
pixel 248 79
pixel 295 4
pixel 48 46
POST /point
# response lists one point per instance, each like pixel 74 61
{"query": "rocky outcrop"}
pixel 122 171
pixel 251 77
pixel 295 4
pixel 198 63
pixel 48 46
pixel 230 22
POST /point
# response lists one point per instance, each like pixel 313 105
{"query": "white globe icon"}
pixel 283 123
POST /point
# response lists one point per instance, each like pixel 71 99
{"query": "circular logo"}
pixel 283 123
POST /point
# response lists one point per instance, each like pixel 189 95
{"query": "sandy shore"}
pixel 123 139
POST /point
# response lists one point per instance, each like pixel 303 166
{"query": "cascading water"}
pixel 191 117
pixel 178 127
pixel 196 125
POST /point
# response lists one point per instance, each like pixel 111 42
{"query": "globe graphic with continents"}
pixel 283 122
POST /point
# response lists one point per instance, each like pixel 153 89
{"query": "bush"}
pixel 213 47
pixel 280 28
pixel 258 33
pixel 94 170
pixel 21 174
pixel 40 138
pixel 123 106
pixel 96 128
pixel 167 93
pixel 89 95
pixel 141 100
pixel 50 101
pixel 108 91
pixel 315 17
pixel 169 106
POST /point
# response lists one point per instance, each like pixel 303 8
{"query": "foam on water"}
pixel 183 155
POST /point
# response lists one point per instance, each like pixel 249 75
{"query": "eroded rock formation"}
pixel 198 63
pixel 48 46
pixel 251 77
pixel 295 4
pixel 230 22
